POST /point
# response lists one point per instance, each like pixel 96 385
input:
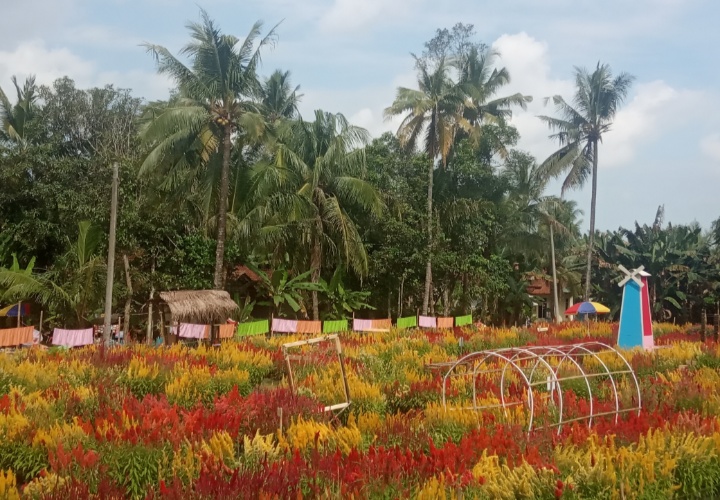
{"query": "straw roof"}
pixel 199 306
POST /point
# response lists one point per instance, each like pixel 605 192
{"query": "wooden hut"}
pixel 194 306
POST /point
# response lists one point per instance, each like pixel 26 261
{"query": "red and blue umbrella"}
pixel 587 308
pixel 13 310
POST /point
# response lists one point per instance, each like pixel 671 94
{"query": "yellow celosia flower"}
pixel 221 446
pixel 69 434
pixel 8 486
pixel 303 434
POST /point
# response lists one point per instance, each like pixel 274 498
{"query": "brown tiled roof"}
pixel 539 286
pixel 241 271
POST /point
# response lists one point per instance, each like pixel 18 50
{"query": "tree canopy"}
pixel 226 185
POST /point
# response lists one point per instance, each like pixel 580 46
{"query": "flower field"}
pixel 184 423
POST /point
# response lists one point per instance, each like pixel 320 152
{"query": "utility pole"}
pixel 111 258
pixel 554 273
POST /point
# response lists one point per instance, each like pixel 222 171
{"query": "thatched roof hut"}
pixel 198 306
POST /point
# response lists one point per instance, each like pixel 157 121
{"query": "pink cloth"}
pixel 427 322
pixel 72 338
pixel 362 325
pixel 191 331
pixel 284 325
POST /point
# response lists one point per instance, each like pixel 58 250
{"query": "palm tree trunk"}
pixel 315 265
pixel 591 236
pixel 219 279
pixel 428 267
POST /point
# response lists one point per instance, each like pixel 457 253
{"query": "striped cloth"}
pixel 284 325
pixel 446 323
pixel 381 325
pixel 11 337
pixel 340 325
pixel 427 321
pixel 254 328
pixel 72 338
pixel 372 325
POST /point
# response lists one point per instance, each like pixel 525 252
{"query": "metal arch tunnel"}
pixel 532 361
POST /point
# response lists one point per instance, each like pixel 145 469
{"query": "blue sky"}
pixel 350 55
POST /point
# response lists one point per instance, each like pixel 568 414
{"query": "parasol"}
pixel 587 308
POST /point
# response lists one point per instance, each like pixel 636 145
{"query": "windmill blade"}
pixel 631 275
pixel 636 275
pixel 626 278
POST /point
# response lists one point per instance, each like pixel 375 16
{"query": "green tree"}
pixel 432 115
pixel 15 119
pixel 580 129
pixel 216 108
pixel 74 287
pixel 342 301
pixel 285 290
pixel 278 97
pixel 444 109
pixel 315 173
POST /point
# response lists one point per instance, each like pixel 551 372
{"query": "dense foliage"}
pixel 225 176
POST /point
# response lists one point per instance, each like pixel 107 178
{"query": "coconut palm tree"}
pixel 214 111
pixel 14 118
pixel 480 81
pixel 278 97
pixel 580 129
pixel 533 217
pixel 432 116
pixel 313 176
pixel 442 109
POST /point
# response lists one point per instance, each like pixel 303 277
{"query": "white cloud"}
pixel 48 64
pixel 528 62
pixel 99 36
pixel 346 16
pixel 148 85
pixel 710 146
pixel 655 109
pixel 29 19
pixel 33 57
pixel 362 106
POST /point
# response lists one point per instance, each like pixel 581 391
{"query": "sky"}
pixel 350 56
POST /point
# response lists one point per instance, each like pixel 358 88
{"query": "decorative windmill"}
pixel 635 318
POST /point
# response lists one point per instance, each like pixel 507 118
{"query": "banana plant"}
pixel 342 301
pixel 283 290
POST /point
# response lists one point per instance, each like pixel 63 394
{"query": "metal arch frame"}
pixel 487 354
pixel 584 348
pixel 627 365
pixel 538 354
pixel 500 354
pixel 555 351
pixel 538 359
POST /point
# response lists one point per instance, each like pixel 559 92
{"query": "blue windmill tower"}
pixel 635 318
